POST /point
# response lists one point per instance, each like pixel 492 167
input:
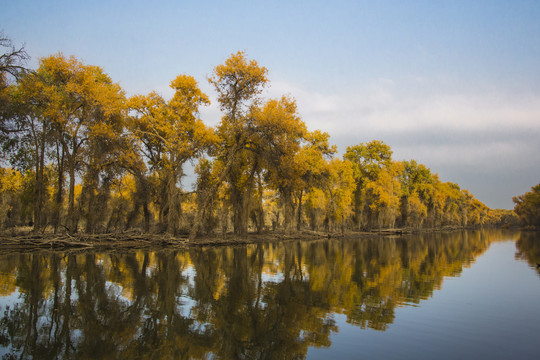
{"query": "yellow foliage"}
pixel 417 210
pixel 236 81
pixel 316 199
pixel 11 180
pixel 341 189
pixel 382 196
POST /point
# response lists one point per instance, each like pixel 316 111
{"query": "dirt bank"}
pixel 25 241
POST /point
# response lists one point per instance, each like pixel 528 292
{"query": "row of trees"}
pixel 83 156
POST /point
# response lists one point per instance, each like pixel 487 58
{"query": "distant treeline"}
pixel 80 156
pixel 528 207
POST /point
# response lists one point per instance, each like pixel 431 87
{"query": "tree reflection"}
pixel 265 301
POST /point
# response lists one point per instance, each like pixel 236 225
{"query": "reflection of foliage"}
pixel 260 301
pixel 528 248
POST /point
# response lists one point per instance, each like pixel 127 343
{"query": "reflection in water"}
pixel 261 301
pixel 528 248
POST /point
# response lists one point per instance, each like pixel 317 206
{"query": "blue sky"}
pixel 452 84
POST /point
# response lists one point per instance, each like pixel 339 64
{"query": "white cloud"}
pixel 476 136
pixel 385 106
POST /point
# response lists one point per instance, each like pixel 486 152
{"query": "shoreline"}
pixel 138 240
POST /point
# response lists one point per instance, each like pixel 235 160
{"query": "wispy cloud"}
pixel 454 133
pixel 383 106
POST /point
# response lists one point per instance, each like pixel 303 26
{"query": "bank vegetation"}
pixel 82 157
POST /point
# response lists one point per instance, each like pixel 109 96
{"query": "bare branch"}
pixel 12 59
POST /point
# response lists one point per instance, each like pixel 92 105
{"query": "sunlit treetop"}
pixel 237 81
pixel 368 159
pixel 187 97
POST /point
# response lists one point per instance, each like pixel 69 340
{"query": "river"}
pixel 465 294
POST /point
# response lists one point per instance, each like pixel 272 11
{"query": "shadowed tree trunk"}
pixel 58 197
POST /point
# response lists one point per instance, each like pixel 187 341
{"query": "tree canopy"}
pixel 83 157
pixel 528 207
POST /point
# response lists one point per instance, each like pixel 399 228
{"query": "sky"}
pixel 454 84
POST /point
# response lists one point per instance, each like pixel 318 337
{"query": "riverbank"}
pixel 28 241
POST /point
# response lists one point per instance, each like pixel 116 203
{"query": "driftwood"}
pixel 137 239
pixel 86 241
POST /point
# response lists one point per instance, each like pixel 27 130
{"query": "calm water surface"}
pixel 473 294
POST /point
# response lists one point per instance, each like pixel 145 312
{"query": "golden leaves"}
pixel 237 81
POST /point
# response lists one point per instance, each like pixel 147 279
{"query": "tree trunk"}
pixel 140 198
pixel 299 215
pixel 40 186
pixel 224 218
pixel 260 210
pixel 358 207
pixel 162 198
pixel 90 213
pixel 90 189
pixel 72 222
pixel 288 212
pixel 172 199
pixel 101 203
pixel 146 214
pixel 58 198
pixel 237 201
pixel 38 139
pixel 210 193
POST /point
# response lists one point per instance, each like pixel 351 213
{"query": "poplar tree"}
pixel 238 82
pixel 170 134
